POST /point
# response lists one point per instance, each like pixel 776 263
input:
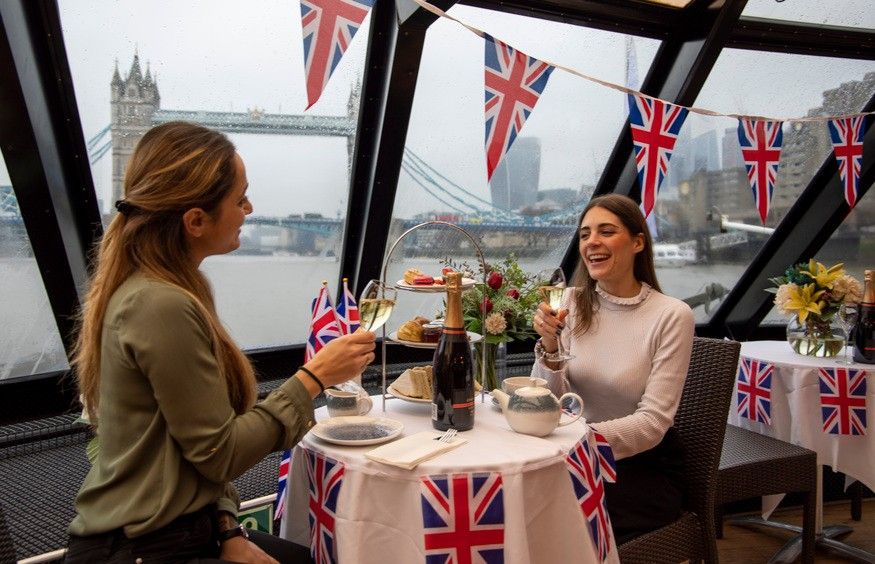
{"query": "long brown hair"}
pixel 175 167
pixel 632 219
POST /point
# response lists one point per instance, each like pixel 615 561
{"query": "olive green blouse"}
pixel 170 442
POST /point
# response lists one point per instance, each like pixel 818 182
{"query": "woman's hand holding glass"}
pixel 548 321
pixel 343 358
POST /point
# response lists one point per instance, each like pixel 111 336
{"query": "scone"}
pixel 410 331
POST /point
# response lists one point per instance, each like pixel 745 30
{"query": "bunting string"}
pixel 702 111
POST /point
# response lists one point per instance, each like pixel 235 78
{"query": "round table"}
pixel 796 417
pixel 379 508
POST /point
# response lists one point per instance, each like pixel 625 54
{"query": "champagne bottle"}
pixel 452 404
pixel 864 335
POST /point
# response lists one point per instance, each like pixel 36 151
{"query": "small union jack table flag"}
pixel 843 400
pixel 324 479
pixel 760 142
pixel 584 467
pixel 753 386
pixel 323 326
pixel 514 82
pixel 847 143
pixel 655 127
pixel 328 27
pixel 347 311
pixel 463 518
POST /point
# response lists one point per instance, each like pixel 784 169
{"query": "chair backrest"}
pixel 701 417
pixel 7 550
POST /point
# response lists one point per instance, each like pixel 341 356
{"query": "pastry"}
pixel 412 273
pixel 410 331
pixel 423 280
pixel 414 382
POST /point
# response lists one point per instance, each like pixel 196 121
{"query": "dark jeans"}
pixel 649 490
pixel 190 539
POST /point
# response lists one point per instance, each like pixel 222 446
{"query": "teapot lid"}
pixel 532 391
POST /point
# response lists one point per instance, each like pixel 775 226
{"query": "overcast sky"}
pixel 228 55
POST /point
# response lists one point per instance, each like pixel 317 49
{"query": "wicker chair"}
pixel 753 465
pixel 7 551
pixel 701 422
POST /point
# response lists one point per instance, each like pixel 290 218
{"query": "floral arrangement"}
pixel 501 309
pixel 813 294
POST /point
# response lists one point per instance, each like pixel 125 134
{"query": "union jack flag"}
pixel 607 464
pixel 754 390
pixel 282 481
pixel 760 142
pixel 847 143
pixel 655 127
pixel 347 311
pixel 325 478
pixel 514 82
pixel 843 401
pixel 324 326
pixel 463 518
pixel 328 28
pixel 589 489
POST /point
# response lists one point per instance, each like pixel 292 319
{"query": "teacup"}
pixel 341 403
pixel 510 385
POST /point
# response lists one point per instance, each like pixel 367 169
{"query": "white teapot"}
pixel 534 410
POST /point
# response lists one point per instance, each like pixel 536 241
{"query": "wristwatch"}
pixel 237 531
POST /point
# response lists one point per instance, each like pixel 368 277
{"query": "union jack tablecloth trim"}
pixel 463 518
pixel 843 400
pixel 324 480
pixel 584 467
pixel 753 387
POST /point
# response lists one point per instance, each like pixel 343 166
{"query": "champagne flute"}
pixel 553 284
pixel 375 305
pixel 847 317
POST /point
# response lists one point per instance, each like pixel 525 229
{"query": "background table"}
pixel 796 415
pixel 379 514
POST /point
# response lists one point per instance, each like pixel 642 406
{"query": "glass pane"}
pixel 848 13
pixel 852 244
pixel 29 338
pixel 548 175
pixel 706 177
pixel 238 69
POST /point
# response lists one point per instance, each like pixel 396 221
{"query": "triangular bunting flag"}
pixel 328 28
pixel 514 82
pixel 753 386
pixel 760 142
pixel 847 144
pixel 655 126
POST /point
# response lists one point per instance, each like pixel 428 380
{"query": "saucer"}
pixel 357 430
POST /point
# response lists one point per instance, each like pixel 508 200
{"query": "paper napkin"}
pixel 408 452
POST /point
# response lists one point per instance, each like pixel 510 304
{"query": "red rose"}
pixel 495 280
pixel 486 306
pixel 513 293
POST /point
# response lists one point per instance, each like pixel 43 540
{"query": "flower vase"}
pixel 816 336
pixel 496 364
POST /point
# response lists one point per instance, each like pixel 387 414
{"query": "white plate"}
pixel 466 284
pixel 357 430
pixel 393 392
pixel 393 336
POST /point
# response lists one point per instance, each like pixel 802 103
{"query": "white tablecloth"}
pixel 379 508
pixel 796 415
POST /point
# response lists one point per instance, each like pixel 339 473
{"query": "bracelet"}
pixel 306 371
pixel 540 352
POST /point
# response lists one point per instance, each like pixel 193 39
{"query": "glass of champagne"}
pixel 847 317
pixel 552 286
pixel 375 305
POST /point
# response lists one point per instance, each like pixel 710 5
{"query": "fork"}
pixel 447 436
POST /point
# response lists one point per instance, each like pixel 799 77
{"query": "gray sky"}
pixel 229 55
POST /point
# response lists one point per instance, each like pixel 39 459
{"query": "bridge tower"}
pixel 133 101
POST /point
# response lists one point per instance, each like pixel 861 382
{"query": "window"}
pixel 29 338
pixel 238 68
pixel 849 13
pixel 706 178
pixel 550 172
